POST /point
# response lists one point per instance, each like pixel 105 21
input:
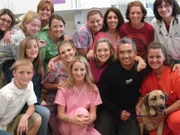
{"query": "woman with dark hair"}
pixel 137 29
pixel 113 19
pixel 7 21
pixel 162 78
pixel 167 28
pixel 52 37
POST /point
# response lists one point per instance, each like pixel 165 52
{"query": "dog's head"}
pixel 155 102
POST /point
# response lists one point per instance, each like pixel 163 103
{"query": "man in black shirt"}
pixel 119 90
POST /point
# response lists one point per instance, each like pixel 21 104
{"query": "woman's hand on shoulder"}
pixel 177 66
pixel 51 66
pixel 141 65
pixel 7 36
pixel 90 54
pixel 66 38
pixel 41 43
pixel 63 84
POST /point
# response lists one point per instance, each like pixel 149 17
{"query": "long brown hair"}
pixel 37 63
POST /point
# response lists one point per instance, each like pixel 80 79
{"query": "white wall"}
pixel 69 19
pixel 69 15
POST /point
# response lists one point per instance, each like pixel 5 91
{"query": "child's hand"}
pixel 23 125
pixel 51 66
pixel 43 103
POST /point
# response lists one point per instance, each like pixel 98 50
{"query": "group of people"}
pixel 94 81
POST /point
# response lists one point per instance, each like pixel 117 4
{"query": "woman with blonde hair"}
pixel 77 102
pixel 29 26
pixel 104 54
pixel 67 51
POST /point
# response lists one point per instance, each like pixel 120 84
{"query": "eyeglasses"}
pixel 164 6
pixel 7 21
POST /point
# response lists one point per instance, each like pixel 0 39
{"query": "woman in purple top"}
pixel 104 54
pixel 84 35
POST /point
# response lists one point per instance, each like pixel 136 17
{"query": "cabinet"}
pixel 85 4
pixel 19 6
pixel 68 5
pixel 82 4
pixel 22 6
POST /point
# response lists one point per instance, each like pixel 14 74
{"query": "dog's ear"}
pixel 166 96
pixel 146 101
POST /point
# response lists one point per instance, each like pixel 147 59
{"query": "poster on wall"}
pixel 58 1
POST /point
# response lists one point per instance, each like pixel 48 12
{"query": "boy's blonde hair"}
pixel 21 62
pixel 88 77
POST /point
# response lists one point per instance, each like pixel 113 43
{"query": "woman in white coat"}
pixel 167 28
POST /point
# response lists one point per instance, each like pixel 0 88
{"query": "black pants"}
pixel 106 124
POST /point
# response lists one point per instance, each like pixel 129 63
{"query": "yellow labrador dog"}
pixel 153 105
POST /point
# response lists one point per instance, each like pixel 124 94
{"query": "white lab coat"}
pixel 170 40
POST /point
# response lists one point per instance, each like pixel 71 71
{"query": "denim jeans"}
pixel 45 114
pixel 4 133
